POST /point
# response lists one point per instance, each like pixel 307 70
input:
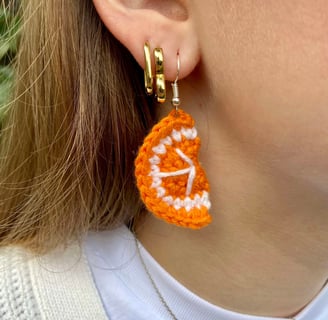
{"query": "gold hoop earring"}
pixel 148 75
pixel 159 74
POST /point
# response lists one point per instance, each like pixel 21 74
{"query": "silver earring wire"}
pixel 175 88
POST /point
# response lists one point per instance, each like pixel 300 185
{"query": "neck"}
pixel 266 252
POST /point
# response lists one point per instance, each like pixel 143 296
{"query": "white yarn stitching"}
pixel 157 175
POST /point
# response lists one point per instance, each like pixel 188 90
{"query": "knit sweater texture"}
pixel 58 285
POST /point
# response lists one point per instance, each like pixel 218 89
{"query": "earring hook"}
pixel 178 67
pixel 175 88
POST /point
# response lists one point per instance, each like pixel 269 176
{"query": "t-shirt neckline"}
pixel 118 248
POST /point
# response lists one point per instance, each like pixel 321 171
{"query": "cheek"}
pixel 271 79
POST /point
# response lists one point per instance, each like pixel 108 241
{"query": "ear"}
pixel 163 23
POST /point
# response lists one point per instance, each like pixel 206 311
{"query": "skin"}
pixel 259 97
pixel 260 101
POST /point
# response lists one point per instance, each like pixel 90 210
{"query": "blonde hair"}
pixel 73 128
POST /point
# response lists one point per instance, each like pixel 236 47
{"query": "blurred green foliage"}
pixel 9 37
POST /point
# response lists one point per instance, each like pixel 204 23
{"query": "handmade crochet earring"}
pixel 171 181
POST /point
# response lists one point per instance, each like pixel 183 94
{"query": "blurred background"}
pixel 9 39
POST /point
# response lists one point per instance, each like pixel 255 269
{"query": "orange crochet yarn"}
pixel 170 179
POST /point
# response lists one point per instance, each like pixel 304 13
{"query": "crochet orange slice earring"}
pixel 171 181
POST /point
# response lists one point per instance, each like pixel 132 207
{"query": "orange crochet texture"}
pixel 171 181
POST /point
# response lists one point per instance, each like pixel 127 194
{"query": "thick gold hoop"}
pixel 159 74
pixel 147 71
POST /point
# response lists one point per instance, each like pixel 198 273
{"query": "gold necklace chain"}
pixel 160 296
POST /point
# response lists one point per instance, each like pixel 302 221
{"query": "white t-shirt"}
pixel 128 294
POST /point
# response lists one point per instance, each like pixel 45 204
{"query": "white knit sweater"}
pixel 58 285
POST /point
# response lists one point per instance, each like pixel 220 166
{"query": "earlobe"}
pixel 164 24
